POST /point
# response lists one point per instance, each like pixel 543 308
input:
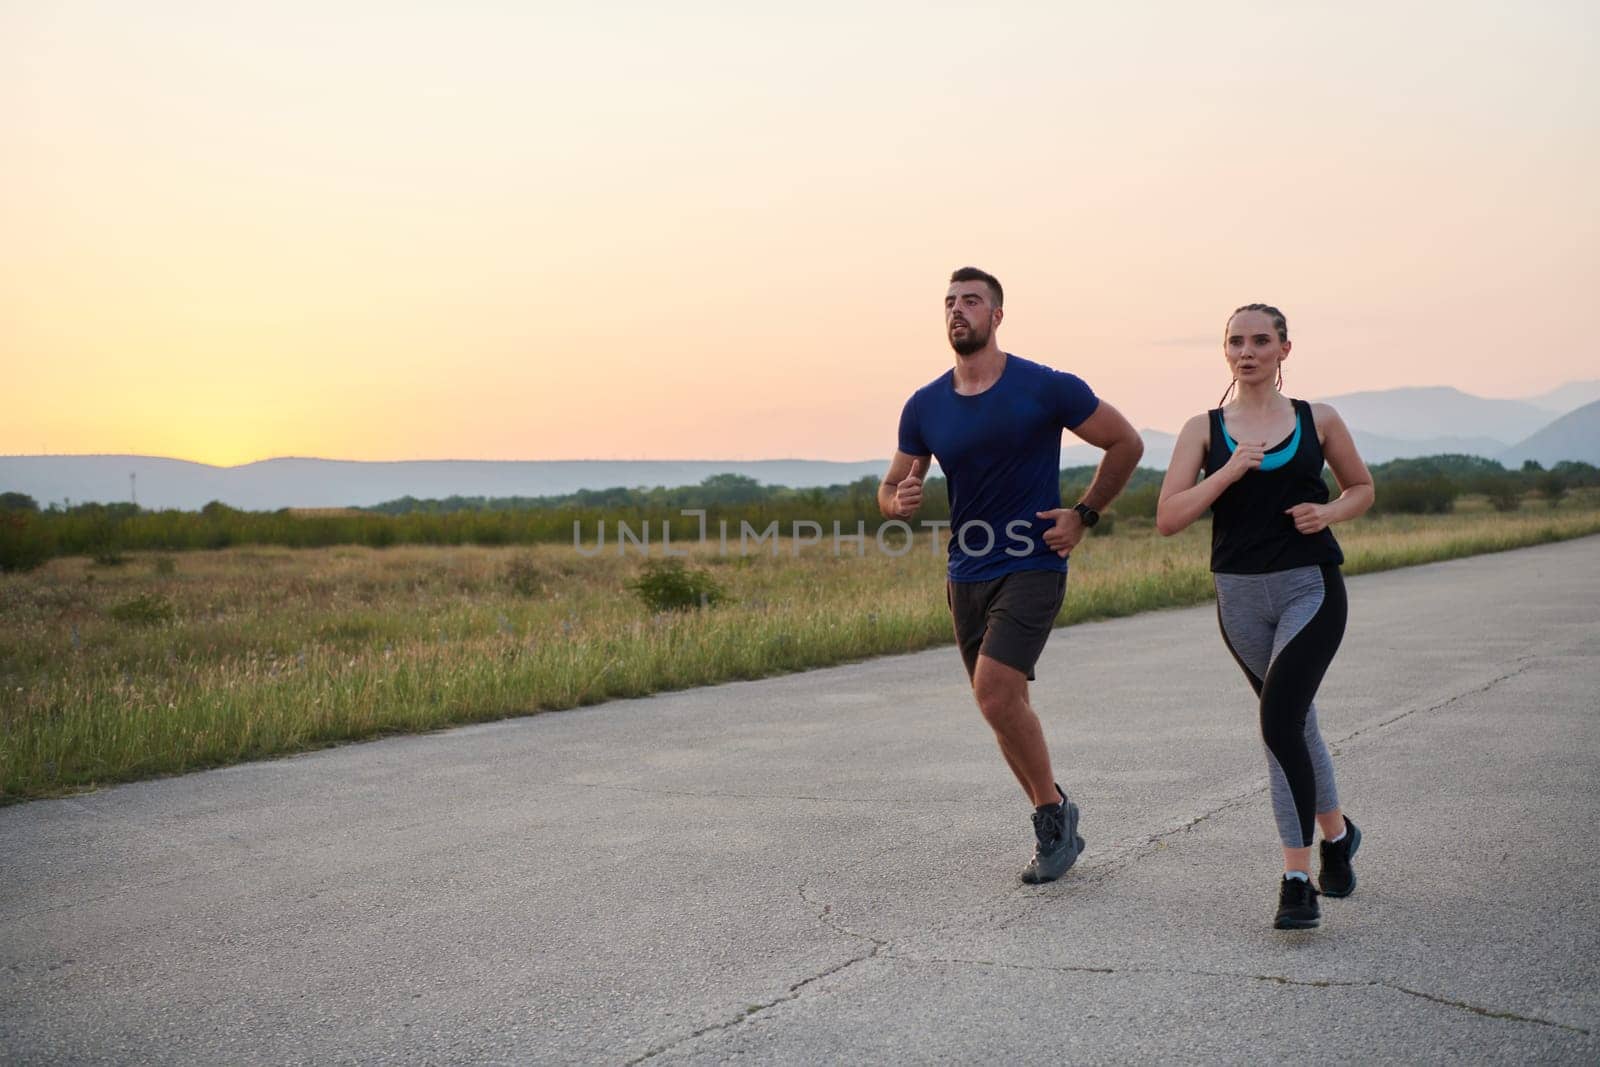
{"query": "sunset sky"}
pixel 499 230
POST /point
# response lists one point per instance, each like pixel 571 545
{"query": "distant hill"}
pixel 1157 451
pixel 325 483
pixel 1575 435
pixel 1376 448
pixel 1569 397
pixel 1437 412
pixel 1388 425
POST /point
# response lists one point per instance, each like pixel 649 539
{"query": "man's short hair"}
pixel 973 274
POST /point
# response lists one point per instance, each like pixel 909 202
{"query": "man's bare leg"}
pixel 1002 695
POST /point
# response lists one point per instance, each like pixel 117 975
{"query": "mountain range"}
pixel 1387 424
pixel 1439 420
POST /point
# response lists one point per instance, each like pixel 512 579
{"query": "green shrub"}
pixel 667 585
pixel 379 535
pixel 146 609
pixel 524 577
pixel 1138 503
pixel 1502 489
pixel 1416 496
pixel 24 543
pixel 1505 497
pixel 1552 486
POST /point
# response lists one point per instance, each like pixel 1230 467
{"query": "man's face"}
pixel 969 316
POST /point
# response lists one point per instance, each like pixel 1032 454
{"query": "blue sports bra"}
pixel 1277 457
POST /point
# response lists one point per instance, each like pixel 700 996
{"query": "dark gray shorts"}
pixel 1008 619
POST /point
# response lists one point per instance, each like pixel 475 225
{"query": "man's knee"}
pixel 1000 690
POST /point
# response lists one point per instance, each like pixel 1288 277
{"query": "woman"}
pixel 1280 598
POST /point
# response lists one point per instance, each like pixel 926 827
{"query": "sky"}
pixel 524 230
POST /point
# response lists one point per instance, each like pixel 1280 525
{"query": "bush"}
pixel 165 566
pixel 1418 496
pixel 379 535
pixel 1137 503
pixel 1505 497
pixel 24 543
pixel 1502 489
pixel 524 577
pixel 1552 487
pixel 146 609
pixel 667 585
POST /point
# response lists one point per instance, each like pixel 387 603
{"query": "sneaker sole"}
pixel 1355 846
pixel 1297 924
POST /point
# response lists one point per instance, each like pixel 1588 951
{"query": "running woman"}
pixel 1275 562
pixel 994 422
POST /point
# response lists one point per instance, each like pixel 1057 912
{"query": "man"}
pixel 994 424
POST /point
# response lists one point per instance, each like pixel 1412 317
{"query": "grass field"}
pixel 171 663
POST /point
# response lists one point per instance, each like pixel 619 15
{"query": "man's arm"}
pixel 900 493
pixel 1107 429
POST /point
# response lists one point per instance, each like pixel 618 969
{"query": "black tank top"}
pixel 1250 532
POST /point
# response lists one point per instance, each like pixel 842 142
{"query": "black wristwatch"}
pixel 1089 515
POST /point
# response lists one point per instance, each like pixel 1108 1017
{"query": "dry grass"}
pixel 171 663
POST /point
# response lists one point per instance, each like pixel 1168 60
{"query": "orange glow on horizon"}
pixel 723 233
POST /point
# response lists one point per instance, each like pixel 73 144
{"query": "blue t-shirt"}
pixel 1001 455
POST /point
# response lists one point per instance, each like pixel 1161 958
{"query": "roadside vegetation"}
pixel 129 662
pixel 30 535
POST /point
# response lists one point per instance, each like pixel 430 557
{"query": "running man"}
pixel 994 423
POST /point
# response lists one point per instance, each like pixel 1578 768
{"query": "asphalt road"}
pixel 822 867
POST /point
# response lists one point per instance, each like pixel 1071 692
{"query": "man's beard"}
pixel 973 342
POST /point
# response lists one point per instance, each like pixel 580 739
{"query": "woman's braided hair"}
pixel 1279 323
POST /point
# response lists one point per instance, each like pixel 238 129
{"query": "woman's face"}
pixel 1253 349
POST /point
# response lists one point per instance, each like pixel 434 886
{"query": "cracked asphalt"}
pixel 822 867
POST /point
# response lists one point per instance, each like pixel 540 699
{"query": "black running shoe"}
pixel 1297 906
pixel 1059 843
pixel 1337 878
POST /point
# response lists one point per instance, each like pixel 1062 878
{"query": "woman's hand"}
pixel 1309 518
pixel 1247 456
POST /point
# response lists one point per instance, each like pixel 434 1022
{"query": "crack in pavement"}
pixel 1117 861
pixel 824 916
pixel 1526 661
pixel 1276 979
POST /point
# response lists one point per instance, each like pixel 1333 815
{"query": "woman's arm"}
pixel 1182 501
pixel 1355 481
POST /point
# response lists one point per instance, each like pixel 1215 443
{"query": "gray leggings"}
pixel 1283 629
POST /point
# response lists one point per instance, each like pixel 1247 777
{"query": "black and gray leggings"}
pixel 1283 628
